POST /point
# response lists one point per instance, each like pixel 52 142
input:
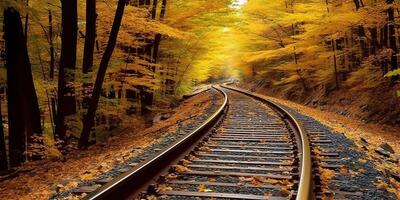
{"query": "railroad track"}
pixel 253 150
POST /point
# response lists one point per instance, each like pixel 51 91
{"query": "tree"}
pixel 157 38
pixel 66 97
pixel 3 153
pixel 23 109
pixel 392 37
pixel 94 101
pixel 90 39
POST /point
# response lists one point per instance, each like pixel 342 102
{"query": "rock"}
pixel 85 189
pixel 382 152
pixel 123 170
pixel 386 147
pixel 103 180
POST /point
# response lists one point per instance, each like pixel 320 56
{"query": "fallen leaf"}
pixel 171 176
pixel 165 188
pixel 151 197
pixel 182 169
pixel 202 188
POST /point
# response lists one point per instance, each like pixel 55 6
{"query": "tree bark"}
pixel 94 101
pixel 90 36
pixel 51 43
pixel 23 109
pixel 90 40
pixel 392 38
pixel 374 40
pixel 154 9
pixel 335 64
pixel 66 94
pixel 3 153
pixel 26 23
pixel 157 38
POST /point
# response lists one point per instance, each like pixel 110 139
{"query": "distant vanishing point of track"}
pixel 249 149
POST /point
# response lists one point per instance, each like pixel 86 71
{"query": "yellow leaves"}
pixel 258 181
pixel 202 188
pixel 362 161
pixel 151 197
pixel 89 175
pixel 185 162
pixel 182 169
pixel 213 180
pixel 343 171
pixel 206 149
pixel 244 179
pixel 171 176
pixel 163 187
pixel 381 184
pixel 326 174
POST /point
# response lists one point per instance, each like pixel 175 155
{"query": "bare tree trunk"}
pixel 94 101
pixel 154 9
pixel 3 153
pixel 51 43
pixel 90 39
pixel 66 94
pixel 374 40
pixel 26 23
pixel 392 38
pixel 335 64
pixel 157 38
pixel 23 109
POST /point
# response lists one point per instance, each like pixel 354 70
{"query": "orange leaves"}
pixel 258 181
pixel 171 176
pixel 182 169
pixel 163 187
pixel 326 174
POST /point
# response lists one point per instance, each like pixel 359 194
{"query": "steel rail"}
pixel 130 183
pixel 305 188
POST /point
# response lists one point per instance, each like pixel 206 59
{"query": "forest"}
pixel 75 72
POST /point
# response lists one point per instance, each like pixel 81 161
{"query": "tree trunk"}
pixel 154 9
pixel 90 40
pixel 157 38
pixel 66 94
pixel 363 43
pixel 51 43
pixel 3 153
pixel 94 101
pixel 359 4
pixel 90 36
pixel 26 23
pixel 392 38
pixel 335 64
pixel 23 109
pixel 374 40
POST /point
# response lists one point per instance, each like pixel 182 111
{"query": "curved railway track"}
pixel 253 150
